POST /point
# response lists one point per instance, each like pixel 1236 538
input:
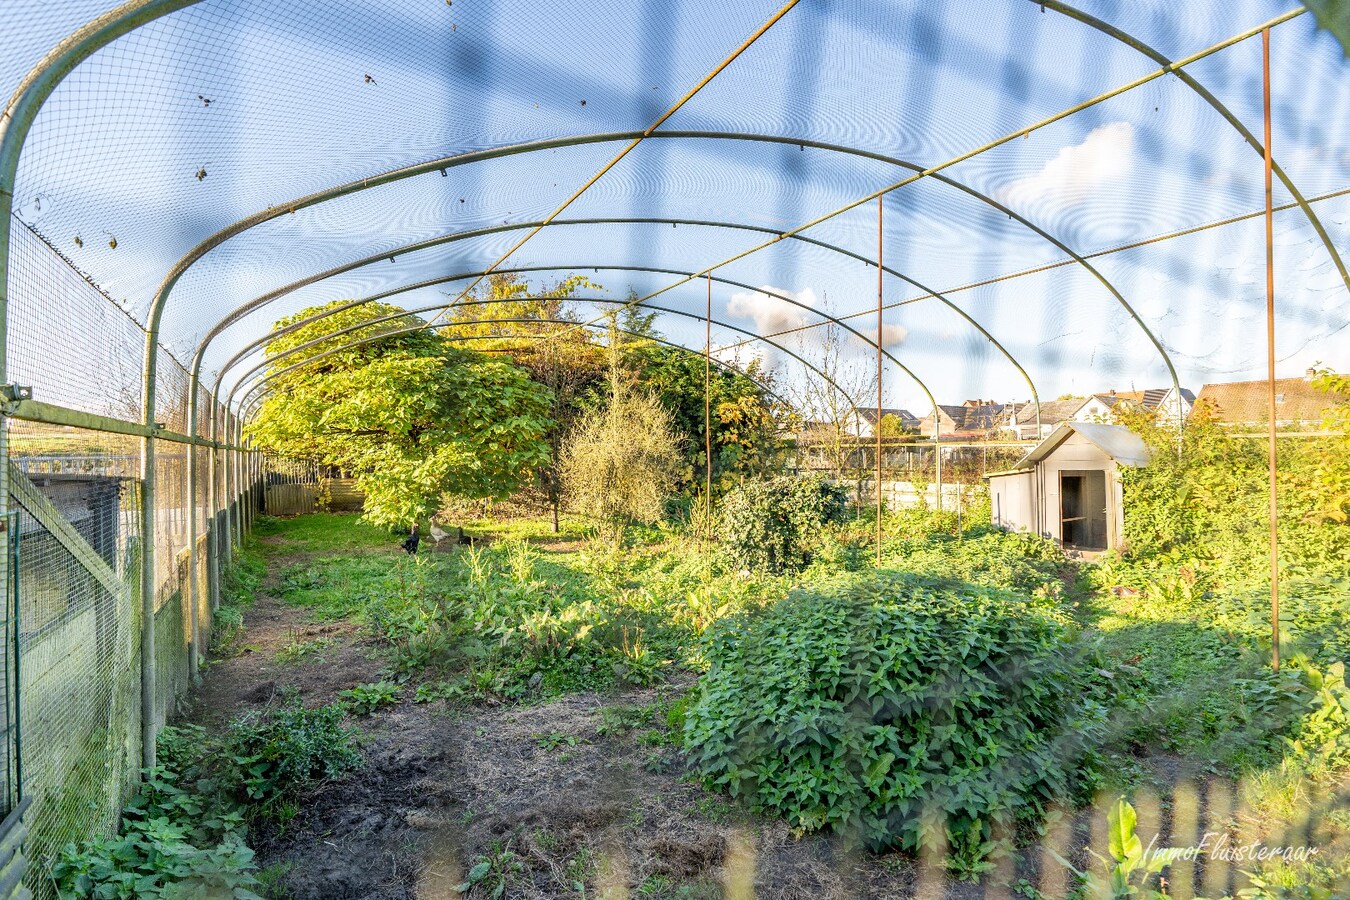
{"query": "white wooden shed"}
pixel 1068 487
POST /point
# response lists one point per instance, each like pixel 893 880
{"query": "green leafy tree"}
pixel 744 418
pixel 567 360
pixel 412 418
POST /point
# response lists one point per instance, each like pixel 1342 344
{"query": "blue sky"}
pixel 304 95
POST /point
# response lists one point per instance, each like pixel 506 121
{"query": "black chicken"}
pixel 410 545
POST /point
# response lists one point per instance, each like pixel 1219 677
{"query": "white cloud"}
pixel 892 335
pixel 1105 156
pixel 769 313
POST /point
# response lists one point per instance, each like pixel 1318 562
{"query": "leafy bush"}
pixel 1323 742
pixel 903 710
pixel 988 557
pixel 775 524
pixel 178 838
pixel 277 754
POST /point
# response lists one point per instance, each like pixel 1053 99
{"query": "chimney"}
pixel 1310 374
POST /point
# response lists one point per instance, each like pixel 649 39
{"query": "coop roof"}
pixel 1116 441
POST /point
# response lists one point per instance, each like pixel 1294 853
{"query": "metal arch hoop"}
pixel 720 280
pixel 251 306
pixel 394 316
pixel 248 406
pixel 1220 107
pixel 15 122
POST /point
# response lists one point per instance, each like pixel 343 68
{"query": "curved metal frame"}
pixel 255 304
pixel 727 281
pixel 43 79
pixel 248 404
pixel 1220 107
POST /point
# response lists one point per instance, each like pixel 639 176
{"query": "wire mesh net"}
pixel 1053 222
pixel 78 552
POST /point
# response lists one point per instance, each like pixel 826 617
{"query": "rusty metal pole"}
pixel 877 429
pixel 707 416
pixel 1270 361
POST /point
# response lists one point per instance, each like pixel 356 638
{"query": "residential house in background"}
pixel 1098 408
pixel 1023 416
pixel 1162 401
pixel 1297 401
pixel 865 420
pixel 974 420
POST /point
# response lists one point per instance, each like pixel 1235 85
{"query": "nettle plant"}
pixel 902 711
pixel 775 524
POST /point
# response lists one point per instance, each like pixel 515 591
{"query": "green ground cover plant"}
pixel 1167 663
pixel 184 833
pixel 902 710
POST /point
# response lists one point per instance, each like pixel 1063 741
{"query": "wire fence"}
pixel 74 726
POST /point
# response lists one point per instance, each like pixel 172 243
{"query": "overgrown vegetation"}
pixel 778 524
pixel 184 833
pixel 902 710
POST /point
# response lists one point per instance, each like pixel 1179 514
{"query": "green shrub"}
pixel 899 709
pixel 988 556
pixel 365 699
pixel 179 837
pixel 279 753
pixel 774 524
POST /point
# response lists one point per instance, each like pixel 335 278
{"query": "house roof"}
pixel 1151 398
pixel 969 417
pixel 1242 402
pixel 1051 412
pixel 1116 441
pixel 870 415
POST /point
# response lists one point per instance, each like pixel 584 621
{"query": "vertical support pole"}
pixel 226 480
pixel 212 521
pixel 937 448
pixel 1270 360
pixel 877 428
pixel 193 592
pixel 236 492
pixel 149 714
pixel 707 415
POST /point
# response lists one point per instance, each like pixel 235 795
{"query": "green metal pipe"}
pixel 15 123
pixel 246 402
pixel 257 303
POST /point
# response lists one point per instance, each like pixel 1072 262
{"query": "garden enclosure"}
pixel 1027 198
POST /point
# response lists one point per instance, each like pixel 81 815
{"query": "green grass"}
pixel 321 532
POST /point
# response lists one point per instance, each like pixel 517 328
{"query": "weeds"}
pixel 298 651
pixel 365 699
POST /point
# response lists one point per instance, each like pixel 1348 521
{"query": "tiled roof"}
pixel 869 415
pixel 1244 402
pixel 1052 412
pixel 974 418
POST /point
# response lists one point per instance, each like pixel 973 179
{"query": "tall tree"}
pixel 566 360
pixel 412 418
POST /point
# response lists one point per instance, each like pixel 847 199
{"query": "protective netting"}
pixel 1052 221
pixel 78 553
